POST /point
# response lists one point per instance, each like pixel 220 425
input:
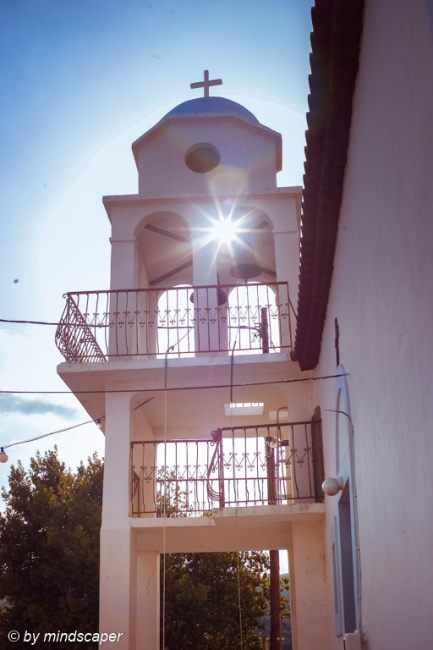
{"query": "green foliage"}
pixel 202 603
pixel 49 546
pixel 171 501
pixel 49 565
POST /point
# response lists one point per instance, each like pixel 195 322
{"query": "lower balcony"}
pixel 280 464
pixel 183 321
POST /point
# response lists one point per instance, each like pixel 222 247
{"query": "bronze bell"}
pixel 222 297
pixel 245 264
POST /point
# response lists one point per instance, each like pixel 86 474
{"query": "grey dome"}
pixel 211 105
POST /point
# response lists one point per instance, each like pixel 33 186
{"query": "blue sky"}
pixel 81 80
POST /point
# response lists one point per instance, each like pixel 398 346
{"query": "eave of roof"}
pixel 335 42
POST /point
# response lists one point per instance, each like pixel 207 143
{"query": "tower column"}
pixel 210 330
pixel 300 410
pixel 123 304
pixel 286 258
pixel 308 587
pixel 148 601
pixel 118 555
pixel 123 264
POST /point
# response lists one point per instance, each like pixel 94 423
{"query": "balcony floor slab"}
pixel 227 529
pixel 197 387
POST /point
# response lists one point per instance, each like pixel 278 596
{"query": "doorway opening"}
pixel 217 601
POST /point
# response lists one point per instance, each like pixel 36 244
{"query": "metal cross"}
pixel 206 83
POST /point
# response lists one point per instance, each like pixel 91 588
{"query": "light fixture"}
pixel 332 486
pixel 244 408
pixel 3 456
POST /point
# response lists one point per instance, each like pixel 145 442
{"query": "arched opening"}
pixel 253 319
pixel 164 251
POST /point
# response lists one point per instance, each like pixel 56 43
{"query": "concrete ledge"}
pixel 227 529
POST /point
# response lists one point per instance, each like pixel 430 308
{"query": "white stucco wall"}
pixel 248 153
pixel 308 588
pixel 381 295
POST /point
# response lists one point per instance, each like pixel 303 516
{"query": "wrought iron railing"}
pixel 235 467
pixel 75 337
pixel 180 321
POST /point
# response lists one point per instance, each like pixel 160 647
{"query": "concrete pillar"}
pixel 204 268
pixel 118 557
pixel 117 577
pixel 287 263
pixel 148 333
pixel 117 457
pixel 123 305
pixel 206 309
pixel 308 588
pixel 144 479
pixel 300 450
pixel 148 599
pixel 123 264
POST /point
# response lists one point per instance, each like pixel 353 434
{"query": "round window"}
pixel 202 157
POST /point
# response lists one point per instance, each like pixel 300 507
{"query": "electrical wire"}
pixel 45 435
pixel 28 322
pixel 174 388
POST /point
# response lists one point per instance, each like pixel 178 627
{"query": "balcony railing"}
pixel 181 321
pixel 235 467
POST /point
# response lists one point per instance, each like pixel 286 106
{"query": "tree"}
pixel 49 565
pixel 202 600
pixel 201 610
pixel 49 547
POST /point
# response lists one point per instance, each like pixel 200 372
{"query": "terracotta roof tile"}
pixel 335 42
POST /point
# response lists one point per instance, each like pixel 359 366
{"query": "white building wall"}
pixel 248 156
pixel 307 586
pixel 382 297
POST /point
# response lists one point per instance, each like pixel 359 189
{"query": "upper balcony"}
pixel 243 466
pixel 183 321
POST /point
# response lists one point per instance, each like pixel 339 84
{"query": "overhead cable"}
pixel 45 435
pixel 173 388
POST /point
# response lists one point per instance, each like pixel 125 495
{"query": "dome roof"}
pixel 211 105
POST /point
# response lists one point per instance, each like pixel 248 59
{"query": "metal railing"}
pixel 75 337
pixel 235 467
pixel 180 321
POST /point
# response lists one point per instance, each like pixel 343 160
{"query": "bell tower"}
pixel 186 360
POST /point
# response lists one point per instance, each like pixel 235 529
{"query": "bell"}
pixel 222 297
pixel 246 266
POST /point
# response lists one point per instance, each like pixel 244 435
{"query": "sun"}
pixel 224 230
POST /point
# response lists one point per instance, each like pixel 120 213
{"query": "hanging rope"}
pixel 237 553
pixel 164 507
pixel 239 602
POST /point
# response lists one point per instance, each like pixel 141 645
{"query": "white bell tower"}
pixel 187 360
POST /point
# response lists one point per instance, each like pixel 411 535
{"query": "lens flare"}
pixel 224 230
